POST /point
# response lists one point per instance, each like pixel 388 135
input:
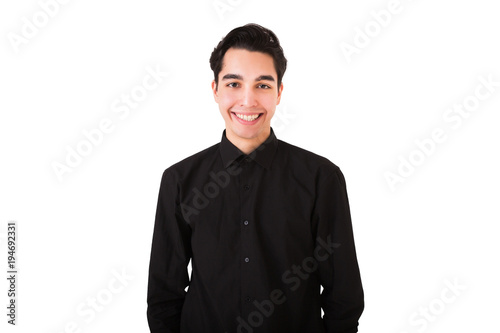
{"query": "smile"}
pixel 246 117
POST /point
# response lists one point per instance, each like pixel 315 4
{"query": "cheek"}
pixel 270 114
pixel 226 100
pixel 269 102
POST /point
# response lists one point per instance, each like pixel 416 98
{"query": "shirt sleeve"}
pixel 170 255
pixel 342 298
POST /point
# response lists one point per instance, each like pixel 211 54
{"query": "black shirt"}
pixel 263 231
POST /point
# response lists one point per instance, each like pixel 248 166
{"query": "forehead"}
pixel 242 61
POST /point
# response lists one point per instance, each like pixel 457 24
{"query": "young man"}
pixel 265 223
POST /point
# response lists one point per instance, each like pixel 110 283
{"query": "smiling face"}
pixel 247 95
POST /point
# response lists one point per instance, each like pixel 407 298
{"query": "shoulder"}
pixel 311 168
pixel 192 163
pixel 305 160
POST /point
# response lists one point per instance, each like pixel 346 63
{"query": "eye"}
pixel 263 86
pixel 232 85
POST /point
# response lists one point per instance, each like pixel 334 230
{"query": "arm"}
pixel 170 255
pixel 342 298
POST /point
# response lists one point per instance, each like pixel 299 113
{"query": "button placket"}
pixel 246 210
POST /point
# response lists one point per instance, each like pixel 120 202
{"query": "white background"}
pixel 439 225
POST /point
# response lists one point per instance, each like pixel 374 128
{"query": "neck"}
pixel 248 145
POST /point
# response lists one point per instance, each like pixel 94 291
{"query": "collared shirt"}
pixel 263 231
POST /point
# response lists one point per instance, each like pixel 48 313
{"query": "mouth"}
pixel 247 119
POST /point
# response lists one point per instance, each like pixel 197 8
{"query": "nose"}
pixel 248 98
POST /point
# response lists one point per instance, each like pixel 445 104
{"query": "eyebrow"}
pixel 239 77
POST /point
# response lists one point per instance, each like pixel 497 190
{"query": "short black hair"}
pixel 251 37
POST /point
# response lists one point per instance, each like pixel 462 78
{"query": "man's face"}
pixel 247 93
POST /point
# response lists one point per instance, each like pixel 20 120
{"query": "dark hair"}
pixel 251 37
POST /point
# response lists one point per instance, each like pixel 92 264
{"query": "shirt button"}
pixel 246 187
pixel 245 222
pixel 247 259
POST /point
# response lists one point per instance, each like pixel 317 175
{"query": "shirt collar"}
pixel 263 154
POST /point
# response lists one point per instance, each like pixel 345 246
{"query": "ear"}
pixel 280 90
pixel 214 91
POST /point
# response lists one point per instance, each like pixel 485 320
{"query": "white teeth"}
pixel 247 118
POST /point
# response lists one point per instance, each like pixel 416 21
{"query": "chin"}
pixel 245 133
